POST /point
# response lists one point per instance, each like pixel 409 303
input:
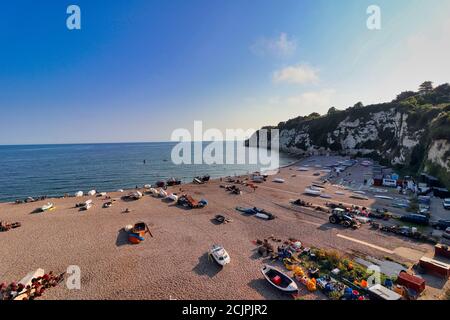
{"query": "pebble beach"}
pixel 174 263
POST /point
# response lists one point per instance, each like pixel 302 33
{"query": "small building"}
pixel 442 250
pixel 435 267
pixel 411 282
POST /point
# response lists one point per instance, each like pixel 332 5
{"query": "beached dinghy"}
pixel 47 207
pixel 384 197
pixel 279 280
pixel 220 255
pixel 86 206
pixel 198 181
pixel 278 180
pixel 162 193
pixel 172 197
pixel 92 193
pixel 303 169
pixel 79 194
pixel 313 192
pixel 134 195
pixel 359 196
pixel 137 233
pixel 263 214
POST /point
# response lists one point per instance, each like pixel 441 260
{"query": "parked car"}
pixel 446 204
pixel 446 234
pixel 441 224
pixel 415 218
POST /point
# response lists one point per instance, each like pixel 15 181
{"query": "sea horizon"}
pixel 54 170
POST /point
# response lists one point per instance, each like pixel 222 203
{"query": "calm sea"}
pixel 54 170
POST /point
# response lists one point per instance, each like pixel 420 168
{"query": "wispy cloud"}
pixel 314 101
pixel 281 46
pixel 298 74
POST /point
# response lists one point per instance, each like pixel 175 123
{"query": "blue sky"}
pixel 139 69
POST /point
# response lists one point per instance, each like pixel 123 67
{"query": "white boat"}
pixel 340 193
pixel 359 196
pixel 79 194
pixel 92 193
pixel 47 207
pixel 172 197
pixel 359 192
pixel 313 192
pixel 136 195
pixel 384 197
pixel 278 180
pixel 326 196
pixel 147 186
pixel 120 190
pixel 265 215
pixel 220 255
pixel 162 193
pixel 303 169
pixel 87 205
pixel 279 280
pixel 258 179
pixel 198 181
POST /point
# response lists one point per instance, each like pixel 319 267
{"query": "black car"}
pixel 415 218
pixel 442 224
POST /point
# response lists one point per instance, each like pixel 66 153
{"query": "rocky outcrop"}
pixel 409 133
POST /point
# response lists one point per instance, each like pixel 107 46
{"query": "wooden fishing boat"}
pixel 279 280
pixel 137 233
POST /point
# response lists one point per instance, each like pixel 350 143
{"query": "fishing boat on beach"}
pixel 313 192
pixel 86 205
pixel 162 193
pixel 279 280
pixel 172 197
pixel 137 232
pixel 220 255
pixel 359 196
pixel 47 207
